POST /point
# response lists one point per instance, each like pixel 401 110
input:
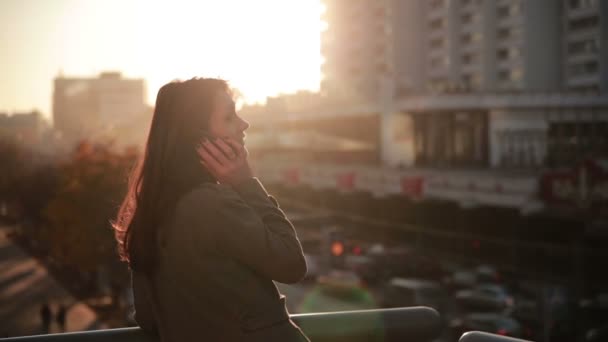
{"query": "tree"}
pixel 91 186
pixel 12 159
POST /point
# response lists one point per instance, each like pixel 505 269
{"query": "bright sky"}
pixel 263 47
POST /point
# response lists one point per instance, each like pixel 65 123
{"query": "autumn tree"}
pixel 91 186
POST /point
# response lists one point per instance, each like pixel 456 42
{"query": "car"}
pixel 340 282
pixel 461 279
pixel 487 274
pixel 494 323
pixel 528 313
pixel 402 262
pixel 365 267
pixel 403 292
pixel 597 334
pixel 486 297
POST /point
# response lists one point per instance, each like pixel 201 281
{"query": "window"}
pixel 507 53
pixel 568 140
pixel 437 42
pixel 513 75
pixel 502 53
pixel 579 4
pixel 503 12
pixel 467 18
pixel 588 45
pixel 471 81
pixel 583 23
pixel 470 37
pixel 436 24
pixel 509 10
pixel 437 3
pixel 504 33
pixel 587 68
pixel 516 75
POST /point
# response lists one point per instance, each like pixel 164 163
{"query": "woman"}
pixel 203 239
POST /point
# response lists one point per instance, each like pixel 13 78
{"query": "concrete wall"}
pixel 409 40
pixel 542 45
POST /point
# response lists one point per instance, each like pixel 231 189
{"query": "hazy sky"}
pixel 262 46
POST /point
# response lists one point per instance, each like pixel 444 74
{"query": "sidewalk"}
pixel 24 286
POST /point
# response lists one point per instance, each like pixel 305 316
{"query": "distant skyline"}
pixel 262 47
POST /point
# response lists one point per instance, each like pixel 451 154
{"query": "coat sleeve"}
pixel 144 314
pixel 247 225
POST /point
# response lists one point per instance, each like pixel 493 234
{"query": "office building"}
pixel 88 107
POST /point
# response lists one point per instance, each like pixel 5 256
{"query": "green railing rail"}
pixel 478 336
pixel 416 324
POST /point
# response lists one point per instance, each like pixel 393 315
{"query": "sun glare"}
pixel 261 47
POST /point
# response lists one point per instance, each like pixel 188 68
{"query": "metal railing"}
pixel 417 324
pixel 478 336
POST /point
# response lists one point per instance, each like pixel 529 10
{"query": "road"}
pixel 25 285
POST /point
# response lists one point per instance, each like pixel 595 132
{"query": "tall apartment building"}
pixel 499 83
pixel 86 107
pixel 438 46
pixel 356 48
pixel 476 46
pixel 585 45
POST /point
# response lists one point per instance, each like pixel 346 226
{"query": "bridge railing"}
pixel 478 336
pixel 417 324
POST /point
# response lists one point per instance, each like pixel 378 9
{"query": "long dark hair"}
pixel 169 167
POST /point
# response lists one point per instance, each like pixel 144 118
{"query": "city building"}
pixel 501 83
pixel 462 100
pixel 27 129
pixel 94 107
pixel 585 64
pixel 356 48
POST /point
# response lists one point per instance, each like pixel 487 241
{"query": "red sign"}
pixel 292 176
pixel 584 186
pixel 412 186
pixel 345 181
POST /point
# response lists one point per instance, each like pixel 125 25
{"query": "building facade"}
pixel 357 49
pixel 502 83
pixel 474 99
pixel 94 107
pixel 585 63
pixel 27 129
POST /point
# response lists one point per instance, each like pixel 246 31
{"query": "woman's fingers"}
pixel 207 159
pixel 229 152
pixel 215 152
pixel 236 146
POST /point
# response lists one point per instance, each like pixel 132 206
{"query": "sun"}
pixel 262 47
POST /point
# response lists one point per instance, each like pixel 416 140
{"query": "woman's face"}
pixel 224 122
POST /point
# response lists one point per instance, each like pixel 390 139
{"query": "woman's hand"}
pixel 226 159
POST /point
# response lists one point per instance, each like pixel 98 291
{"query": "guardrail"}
pixel 399 324
pixel 478 336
